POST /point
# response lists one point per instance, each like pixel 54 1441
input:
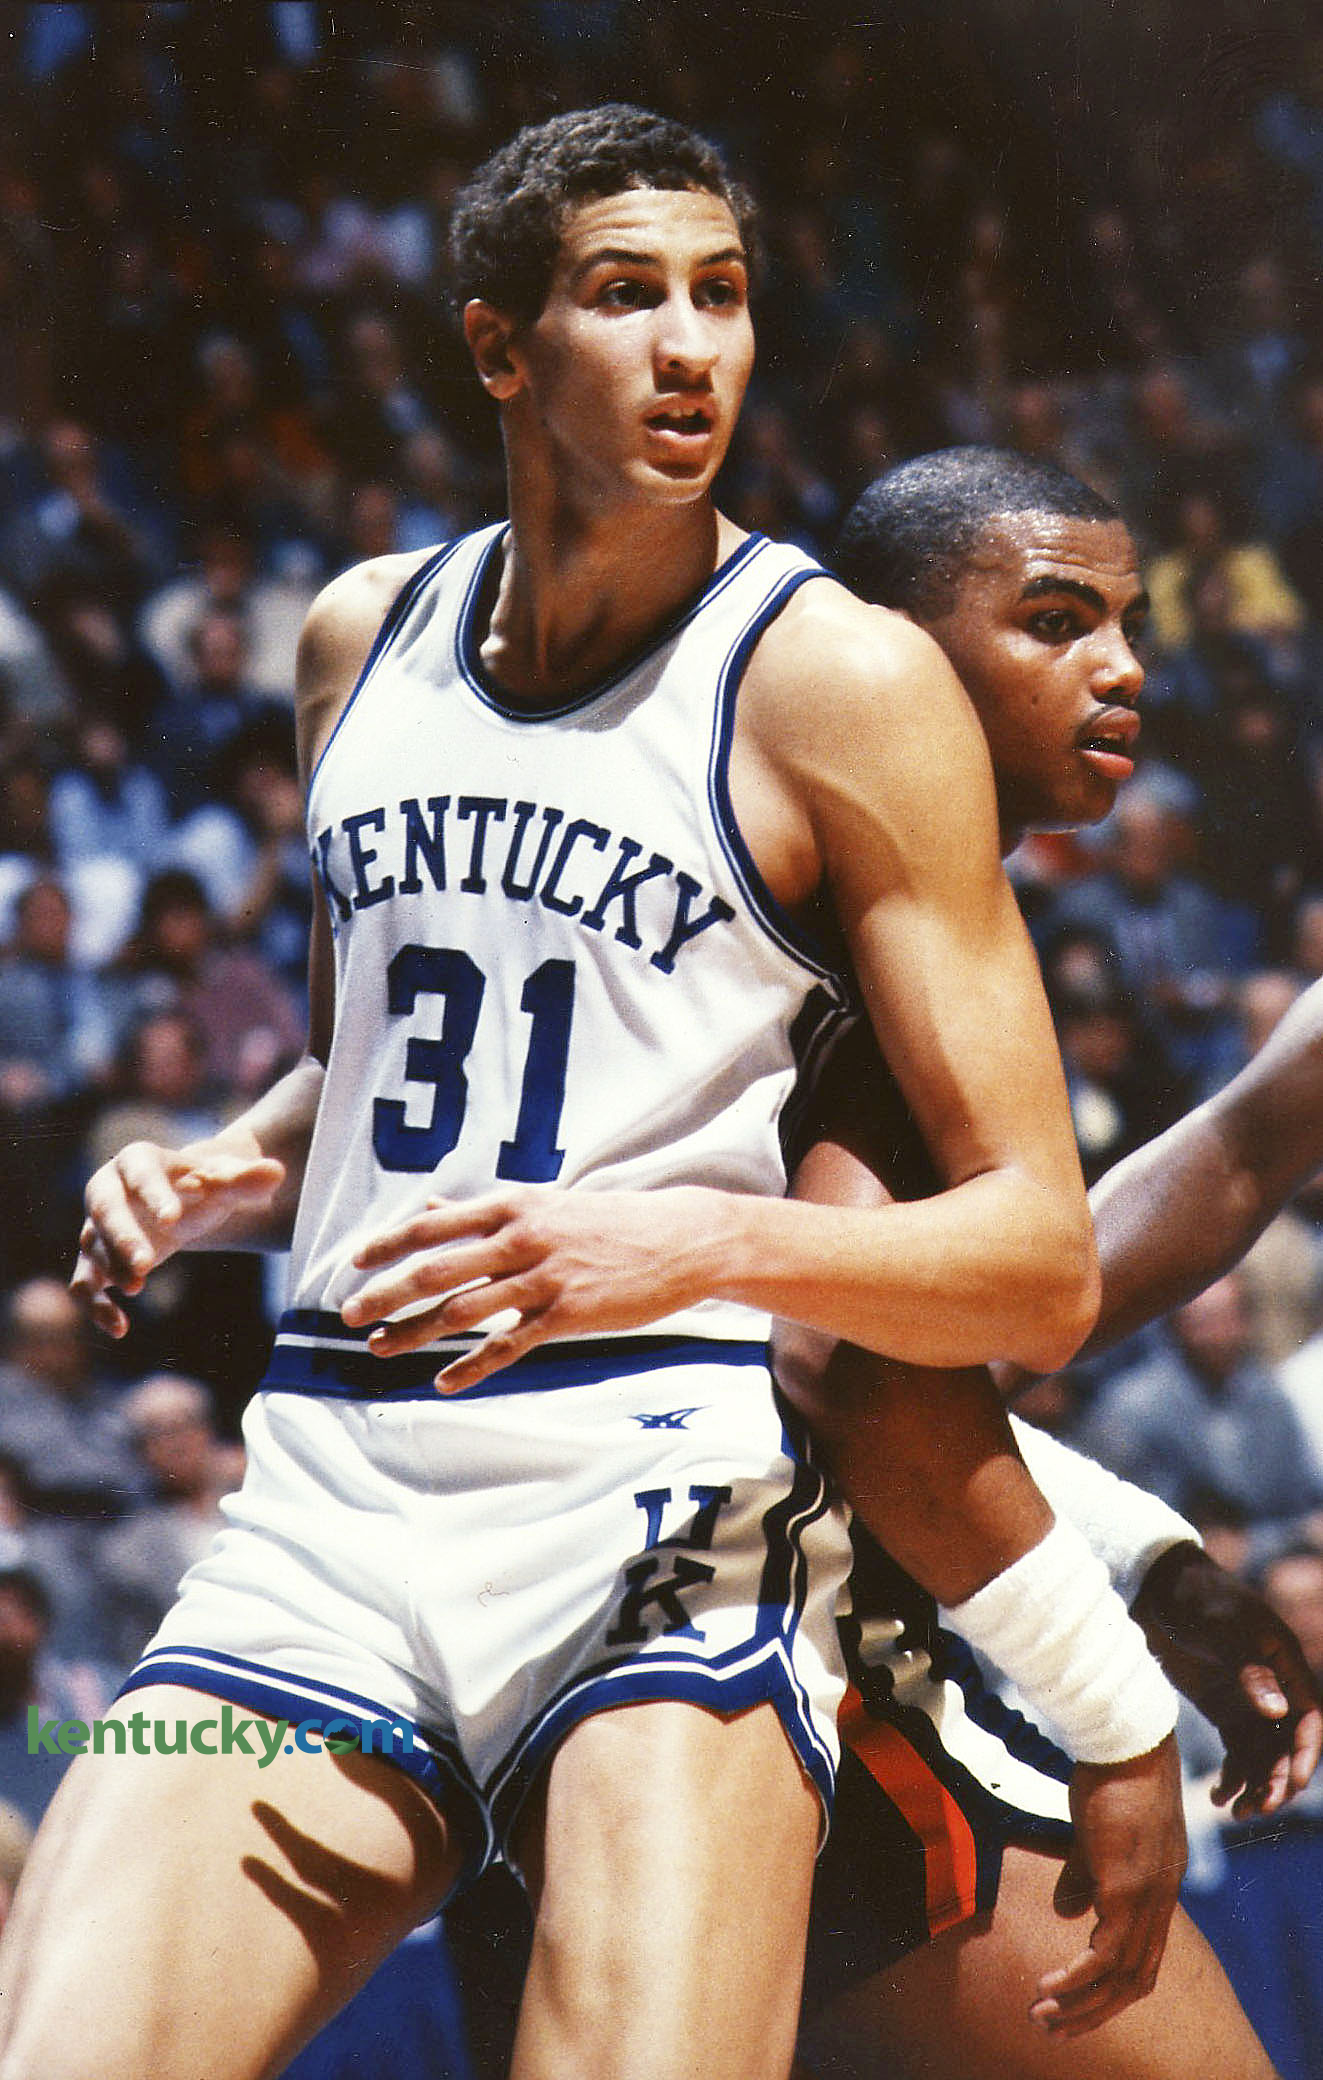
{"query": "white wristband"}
pixel 1053 1623
pixel 1126 1526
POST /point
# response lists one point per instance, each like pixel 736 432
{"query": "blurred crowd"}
pixel 227 370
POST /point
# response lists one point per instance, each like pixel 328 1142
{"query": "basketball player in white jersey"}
pixel 566 941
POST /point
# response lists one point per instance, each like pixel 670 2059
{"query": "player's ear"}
pixel 489 334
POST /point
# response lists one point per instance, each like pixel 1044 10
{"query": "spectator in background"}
pixel 248 848
pixel 162 1090
pixel 271 611
pixel 1293 1585
pixel 1171 447
pixel 141 1559
pixel 377 409
pixel 1121 1090
pixel 1260 601
pixel 1259 819
pixel 1204 1418
pixel 60 1424
pixel 79 526
pixel 251 1024
pixel 1177 945
pixel 434 507
pixel 194 724
pixel 104 800
pixel 32 1679
pixel 56 1019
pixel 105 668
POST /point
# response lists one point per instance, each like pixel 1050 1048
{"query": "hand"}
pixel 149 1202
pixel 1235 1658
pixel 1126 1862
pixel 566 1262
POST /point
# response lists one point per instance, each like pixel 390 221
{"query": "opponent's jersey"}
pixel 555 959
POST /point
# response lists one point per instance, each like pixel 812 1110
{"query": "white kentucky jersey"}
pixel 556 961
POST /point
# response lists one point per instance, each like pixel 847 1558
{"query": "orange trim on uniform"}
pixel 950 1855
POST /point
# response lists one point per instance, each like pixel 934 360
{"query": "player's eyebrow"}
pixel 628 256
pixel 1089 595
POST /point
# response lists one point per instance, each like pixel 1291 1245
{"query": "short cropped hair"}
pixel 908 539
pixel 506 226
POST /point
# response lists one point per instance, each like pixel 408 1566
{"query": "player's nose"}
pixel 1120 675
pixel 685 343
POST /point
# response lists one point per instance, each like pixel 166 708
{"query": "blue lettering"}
pixel 550 891
pixel 431 844
pixel 623 886
pixel 362 856
pixel 682 929
pixel 482 808
pixel 522 891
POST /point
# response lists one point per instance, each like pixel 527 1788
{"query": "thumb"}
pixel 1073 1894
pixel 1263 1690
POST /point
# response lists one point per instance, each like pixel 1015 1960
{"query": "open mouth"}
pixel 686 422
pixel 1109 745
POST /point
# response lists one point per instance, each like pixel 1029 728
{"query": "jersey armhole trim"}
pixel 385 636
pixel 792 938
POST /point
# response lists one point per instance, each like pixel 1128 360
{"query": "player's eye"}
pixel 1055 625
pixel 625 294
pixel 719 291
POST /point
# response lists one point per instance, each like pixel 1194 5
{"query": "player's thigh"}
pixel 957 2009
pixel 670 1853
pixel 192 1914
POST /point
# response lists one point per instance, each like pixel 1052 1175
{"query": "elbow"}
pixel 1065 1308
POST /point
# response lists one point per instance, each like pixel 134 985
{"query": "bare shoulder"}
pixel 339 631
pixel 834 680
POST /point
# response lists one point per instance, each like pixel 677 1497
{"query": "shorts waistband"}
pixel 315 1353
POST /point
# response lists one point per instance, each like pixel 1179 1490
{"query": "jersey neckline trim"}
pixel 494 696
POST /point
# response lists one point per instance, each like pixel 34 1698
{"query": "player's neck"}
pixel 580 590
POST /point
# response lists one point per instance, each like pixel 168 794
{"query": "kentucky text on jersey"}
pixel 525 852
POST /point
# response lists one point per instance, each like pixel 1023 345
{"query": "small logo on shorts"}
pixel 668 1418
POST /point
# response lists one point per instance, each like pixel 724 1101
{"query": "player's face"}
pixel 1042 632
pixel 636 367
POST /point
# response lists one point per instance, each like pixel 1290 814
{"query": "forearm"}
pixel 1128 1528
pixel 992 1268
pixel 928 1462
pixel 1169 1219
pixel 279 1125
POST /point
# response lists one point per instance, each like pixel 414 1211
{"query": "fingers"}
pixel 139 1206
pixel 451 1272
pixel 1119 1966
pixel 439 1223
pixel 493 1354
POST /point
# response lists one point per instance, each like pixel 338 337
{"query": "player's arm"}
pixel 1184 1208
pixel 859 765
pixel 859 725
pixel 238 1189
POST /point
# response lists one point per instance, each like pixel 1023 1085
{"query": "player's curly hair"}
pixel 908 538
pixel 506 224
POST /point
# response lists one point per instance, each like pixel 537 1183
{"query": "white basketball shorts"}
pixel 601 1524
